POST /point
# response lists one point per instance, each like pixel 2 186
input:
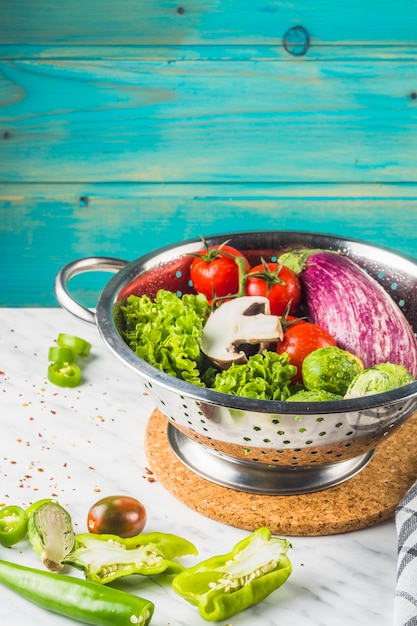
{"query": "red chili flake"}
pixel 19 440
pixel 40 469
pixel 151 479
pixel 2 373
pixel 148 471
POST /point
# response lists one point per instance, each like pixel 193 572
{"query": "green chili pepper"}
pixel 64 374
pixel 80 346
pixel 13 525
pixel 223 585
pixel 50 533
pixel 107 557
pixel 62 354
pixel 77 599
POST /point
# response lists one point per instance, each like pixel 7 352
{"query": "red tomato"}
pixel 217 274
pixel 300 339
pixel 117 515
pixel 278 283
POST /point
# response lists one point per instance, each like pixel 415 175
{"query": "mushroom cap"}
pixel 239 321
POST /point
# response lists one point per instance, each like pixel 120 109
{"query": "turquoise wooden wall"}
pixel 126 126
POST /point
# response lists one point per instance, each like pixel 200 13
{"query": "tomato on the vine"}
pixel 300 339
pixel 123 516
pixel 215 272
pixel 278 283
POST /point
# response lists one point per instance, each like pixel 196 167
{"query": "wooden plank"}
pixel 316 52
pixel 192 121
pixel 46 226
pixel 156 22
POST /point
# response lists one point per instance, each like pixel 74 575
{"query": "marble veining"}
pixel 81 444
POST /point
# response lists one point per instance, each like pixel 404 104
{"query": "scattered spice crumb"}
pixel 96 490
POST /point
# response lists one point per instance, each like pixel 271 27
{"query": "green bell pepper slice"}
pixel 224 585
pixel 104 558
pixel 13 525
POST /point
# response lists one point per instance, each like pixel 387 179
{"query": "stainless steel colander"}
pixel 246 444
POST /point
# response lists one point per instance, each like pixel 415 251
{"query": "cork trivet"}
pixel 366 499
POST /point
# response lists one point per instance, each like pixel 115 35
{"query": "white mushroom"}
pixel 237 322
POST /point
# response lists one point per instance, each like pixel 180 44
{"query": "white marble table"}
pixel 81 444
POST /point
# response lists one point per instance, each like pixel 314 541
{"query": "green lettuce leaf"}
pixel 265 376
pixel 166 332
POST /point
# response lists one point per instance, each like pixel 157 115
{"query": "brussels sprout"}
pixel 382 377
pixel 51 534
pixel 330 369
pixel 314 395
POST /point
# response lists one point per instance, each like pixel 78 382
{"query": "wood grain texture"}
pixel 45 226
pixel 152 22
pixel 128 126
pixel 192 121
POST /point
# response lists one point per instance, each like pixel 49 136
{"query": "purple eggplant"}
pixel 353 307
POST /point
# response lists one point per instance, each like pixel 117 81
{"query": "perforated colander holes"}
pixel 393 286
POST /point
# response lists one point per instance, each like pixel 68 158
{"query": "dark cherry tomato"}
pixel 117 515
pixel 300 339
pixel 215 273
pixel 278 283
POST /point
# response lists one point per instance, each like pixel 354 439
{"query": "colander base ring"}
pixel 258 478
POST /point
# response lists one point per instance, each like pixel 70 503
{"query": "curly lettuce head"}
pixel 166 332
pixel 265 376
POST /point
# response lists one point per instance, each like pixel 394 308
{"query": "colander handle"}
pixel 81 266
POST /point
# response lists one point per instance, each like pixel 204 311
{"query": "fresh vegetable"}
pixel 62 354
pixel 314 395
pixel 51 534
pixel 224 585
pixel 167 332
pixel 266 376
pixel 63 370
pixel 330 369
pixel 79 345
pixel 382 377
pixel 76 599
pixel 238 328
pixel 64 374
pixel 299 340
pixel 117 515
pixel 355 309
pixel 276 282
pixel 216 272
pixel 104 558
pixel 13 525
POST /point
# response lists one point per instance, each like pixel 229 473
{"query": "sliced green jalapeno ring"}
pixel 13 525
pixel 81 346
pixel 62 354
pixel 64 374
